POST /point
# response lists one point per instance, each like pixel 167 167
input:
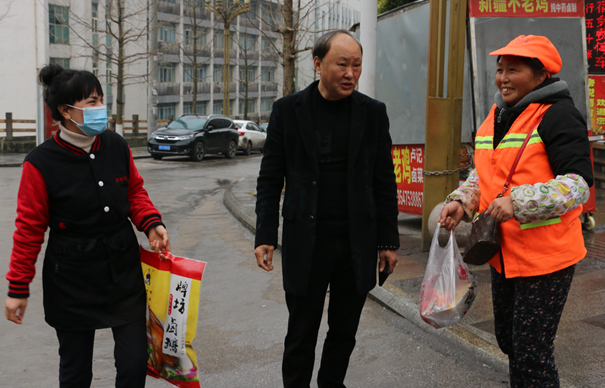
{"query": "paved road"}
pixel 242 313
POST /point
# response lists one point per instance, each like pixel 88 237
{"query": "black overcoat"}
pixel 291 152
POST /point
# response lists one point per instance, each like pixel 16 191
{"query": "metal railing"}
pixel 169 89
pixel 219 51
pixel 168 48
pixel 250 55
pixel 200 13
pixel 202 88
pixel 171 8
pixel 269 55
pixel 218 87
pixel 201 51
pixel 252 87
pixel 268 86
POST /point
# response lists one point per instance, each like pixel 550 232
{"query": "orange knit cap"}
pixel 534 46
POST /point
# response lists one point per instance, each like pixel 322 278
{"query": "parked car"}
pixel 251 136
pixel 196 136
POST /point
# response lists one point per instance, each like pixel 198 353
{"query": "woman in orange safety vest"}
pixel 541 234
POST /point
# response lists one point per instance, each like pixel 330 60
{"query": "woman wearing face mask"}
pixel 82 183
pixel 540 231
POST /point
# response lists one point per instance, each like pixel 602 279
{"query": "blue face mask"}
pixel 95 120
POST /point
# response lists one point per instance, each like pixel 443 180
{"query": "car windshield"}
pixel 188 122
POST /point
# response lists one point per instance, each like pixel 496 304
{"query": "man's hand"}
pixel 387 256
pixel 451 215
pixel 501 209
pixel 158 240
pixel 260 252
pixel 14 309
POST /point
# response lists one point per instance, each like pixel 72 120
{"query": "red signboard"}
pixel 409 167
pixel 596 94
pixel 595 36
pixel 526 8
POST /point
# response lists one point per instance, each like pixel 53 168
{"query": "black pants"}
pixel 527 313
pixel 331 265
pixel 130 353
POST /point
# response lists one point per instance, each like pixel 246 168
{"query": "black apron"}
pixel 93 282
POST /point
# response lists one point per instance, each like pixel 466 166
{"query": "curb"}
pixel 405 306
pixel 401 305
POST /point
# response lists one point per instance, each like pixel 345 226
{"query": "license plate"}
pixel 164 148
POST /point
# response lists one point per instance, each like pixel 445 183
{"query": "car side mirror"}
pixel 210 127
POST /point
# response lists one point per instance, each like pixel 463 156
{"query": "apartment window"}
pixel 201 73
pixel 265 44
pixel 165 110
pixel 58 23
pixel 251 104
pixel 108 81
pixel 217 73
pixel 251 74
pixel 166 73
pixel 266 104
pixel 268 75
pixel 247 41
pixel 64 62
pixel 168 33
pixel 200 108
pixel 219 39
pixel 109 109
pixel 323 20
pixel 251 14
pixel 95 16
pixel 316 18
pixel 201 36
pixel 217 107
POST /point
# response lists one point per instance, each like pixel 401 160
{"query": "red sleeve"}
pixel 32 222
pixel 142 212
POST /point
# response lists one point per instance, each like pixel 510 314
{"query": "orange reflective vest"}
pixel 536 248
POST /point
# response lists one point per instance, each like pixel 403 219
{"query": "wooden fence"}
pixel 10 125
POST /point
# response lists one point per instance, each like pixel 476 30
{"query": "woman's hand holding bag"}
pixel 448 288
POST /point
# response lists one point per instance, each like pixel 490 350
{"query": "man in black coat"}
pixel 332 146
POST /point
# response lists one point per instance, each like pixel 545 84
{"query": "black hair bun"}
pixel 49 72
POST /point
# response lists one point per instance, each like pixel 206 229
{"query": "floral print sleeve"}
pixel 542 201
pixel 468 195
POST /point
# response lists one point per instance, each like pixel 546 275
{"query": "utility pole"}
pixel 226 13
pixel 443 108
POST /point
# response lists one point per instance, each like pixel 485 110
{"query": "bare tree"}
pixel 7 5
pixel 127 25
pixel 194 45
pixel 291 21
pixel 250 56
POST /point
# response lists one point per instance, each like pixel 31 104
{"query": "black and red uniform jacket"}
pixel 78 194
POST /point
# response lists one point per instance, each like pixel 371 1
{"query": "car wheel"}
pixel 198 151
pixel 230 154
pixel 156 156
pixel 248 149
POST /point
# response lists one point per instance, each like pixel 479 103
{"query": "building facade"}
pixel 82 34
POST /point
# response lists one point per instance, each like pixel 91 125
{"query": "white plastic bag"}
pixel 448 288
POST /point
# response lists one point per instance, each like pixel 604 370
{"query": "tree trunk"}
pixel 289 59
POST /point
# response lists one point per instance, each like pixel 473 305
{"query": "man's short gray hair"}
pixel 323 44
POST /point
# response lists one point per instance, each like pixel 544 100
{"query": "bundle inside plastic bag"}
pixel 448 288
